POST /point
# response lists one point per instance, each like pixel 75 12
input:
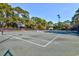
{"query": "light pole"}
pixel 58 20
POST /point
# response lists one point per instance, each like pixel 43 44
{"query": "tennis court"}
pixel 38 43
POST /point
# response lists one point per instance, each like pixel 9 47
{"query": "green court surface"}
pixel 33 43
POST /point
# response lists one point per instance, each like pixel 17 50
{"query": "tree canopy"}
pixel 17 17
pixel 10 15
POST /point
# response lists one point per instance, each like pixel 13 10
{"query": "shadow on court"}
pixel 75 33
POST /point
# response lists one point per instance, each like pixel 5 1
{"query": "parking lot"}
pixel 39 43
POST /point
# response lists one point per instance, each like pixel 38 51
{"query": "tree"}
pixel 23 13
pixel 11 17
pixel 50 22
pixel 75 20
pixel 40 23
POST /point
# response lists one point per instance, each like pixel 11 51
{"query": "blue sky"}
pixel 49 11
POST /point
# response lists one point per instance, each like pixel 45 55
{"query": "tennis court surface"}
pixel 39 43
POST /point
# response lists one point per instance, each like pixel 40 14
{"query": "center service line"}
pixel 50 41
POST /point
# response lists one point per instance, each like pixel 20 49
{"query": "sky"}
pixel 49 11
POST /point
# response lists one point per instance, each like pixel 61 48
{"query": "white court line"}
pixel 30 37
pixel 36 38
pixel 35 43
pixel 51 41
pixel 28 41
